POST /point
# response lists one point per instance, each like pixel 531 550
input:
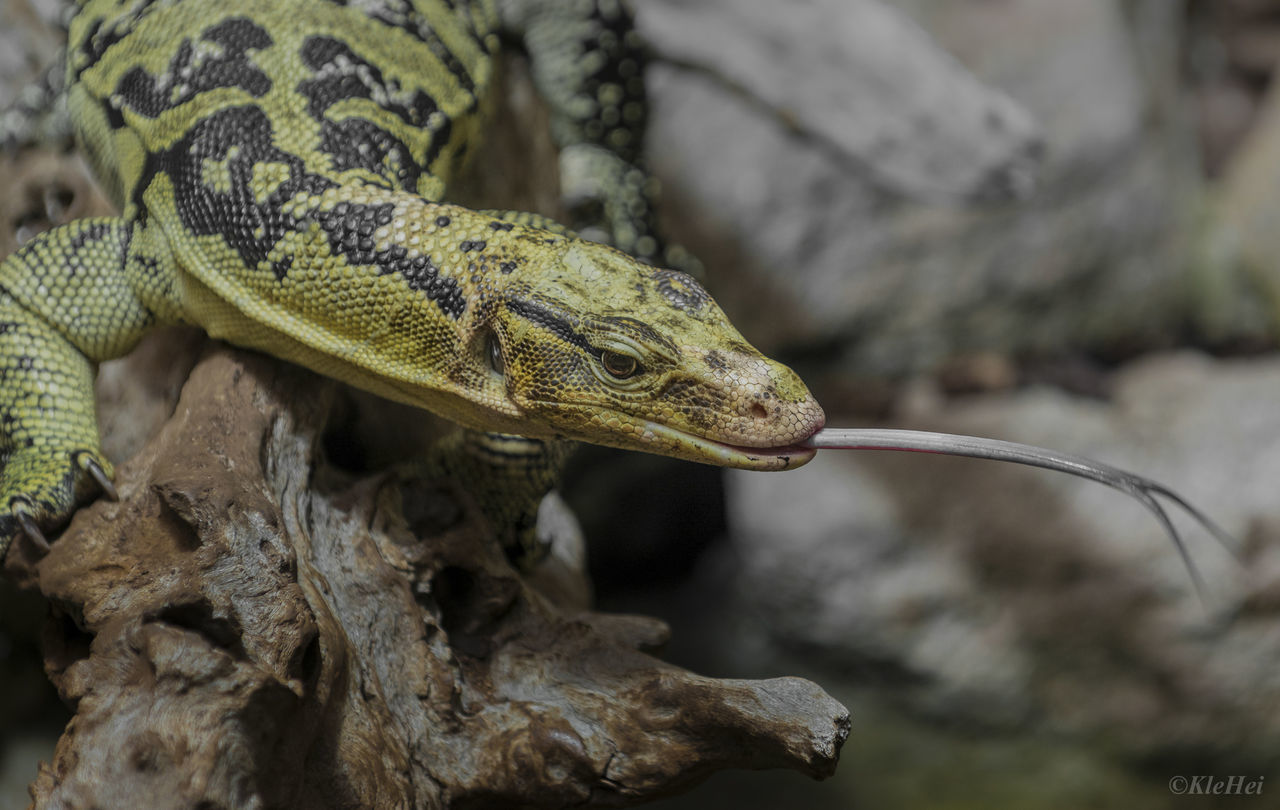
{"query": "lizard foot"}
pixel 39 492
pixel 90 464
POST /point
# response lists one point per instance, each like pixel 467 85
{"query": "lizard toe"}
pixel 93 467
pixel 20 511
pixel 41 490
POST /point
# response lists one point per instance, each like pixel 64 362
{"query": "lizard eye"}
pixel 619 365
pixel 494 351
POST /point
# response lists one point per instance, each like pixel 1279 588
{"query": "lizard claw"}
pixel 91 466
pixel 46 491
pixel 28 526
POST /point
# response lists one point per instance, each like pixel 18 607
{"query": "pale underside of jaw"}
pixel 1142 489
pixel 782 457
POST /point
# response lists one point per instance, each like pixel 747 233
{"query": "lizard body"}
pixel 280 169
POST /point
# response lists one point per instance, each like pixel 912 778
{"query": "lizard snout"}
pixel 773 407
pixel 772 421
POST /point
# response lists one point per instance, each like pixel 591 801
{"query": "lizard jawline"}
pixel 710 451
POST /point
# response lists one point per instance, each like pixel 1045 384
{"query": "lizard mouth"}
pixel 709 451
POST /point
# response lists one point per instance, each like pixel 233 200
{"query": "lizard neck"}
pixel 391 292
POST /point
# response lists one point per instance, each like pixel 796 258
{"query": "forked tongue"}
pixel 920 441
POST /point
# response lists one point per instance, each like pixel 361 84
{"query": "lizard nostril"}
pixel 759 411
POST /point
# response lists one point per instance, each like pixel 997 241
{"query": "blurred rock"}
pixel 1071 64
pixel 1255 49
pixel 1000 596
pixel 1237 280
pixel 890 285
pixel 975 373
pixel 1227 110
pixel 45 188
pixel 869 86
pixel 1249 8
pixel 28 38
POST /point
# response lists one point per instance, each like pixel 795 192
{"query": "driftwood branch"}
pixel 262 622
pixel 252 627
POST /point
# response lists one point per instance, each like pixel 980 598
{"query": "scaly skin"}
pixel 280 166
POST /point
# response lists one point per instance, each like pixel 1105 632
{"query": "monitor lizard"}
pixel 281 170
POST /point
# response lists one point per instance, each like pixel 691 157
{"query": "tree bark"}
pixel 251 626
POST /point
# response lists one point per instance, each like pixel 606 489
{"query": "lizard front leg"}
pixel 68 299
pixel 48 428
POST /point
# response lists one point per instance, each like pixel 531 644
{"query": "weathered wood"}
pixel 249 626
pixel 255 625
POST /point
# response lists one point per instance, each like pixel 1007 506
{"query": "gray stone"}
pixel 868 84
pixel 1236 280
pixel 1071 64
pixel 828 255
pixel 1005 596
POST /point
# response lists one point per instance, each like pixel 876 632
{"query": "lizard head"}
pixel 602 348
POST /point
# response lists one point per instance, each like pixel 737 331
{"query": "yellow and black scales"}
pixel 279 167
